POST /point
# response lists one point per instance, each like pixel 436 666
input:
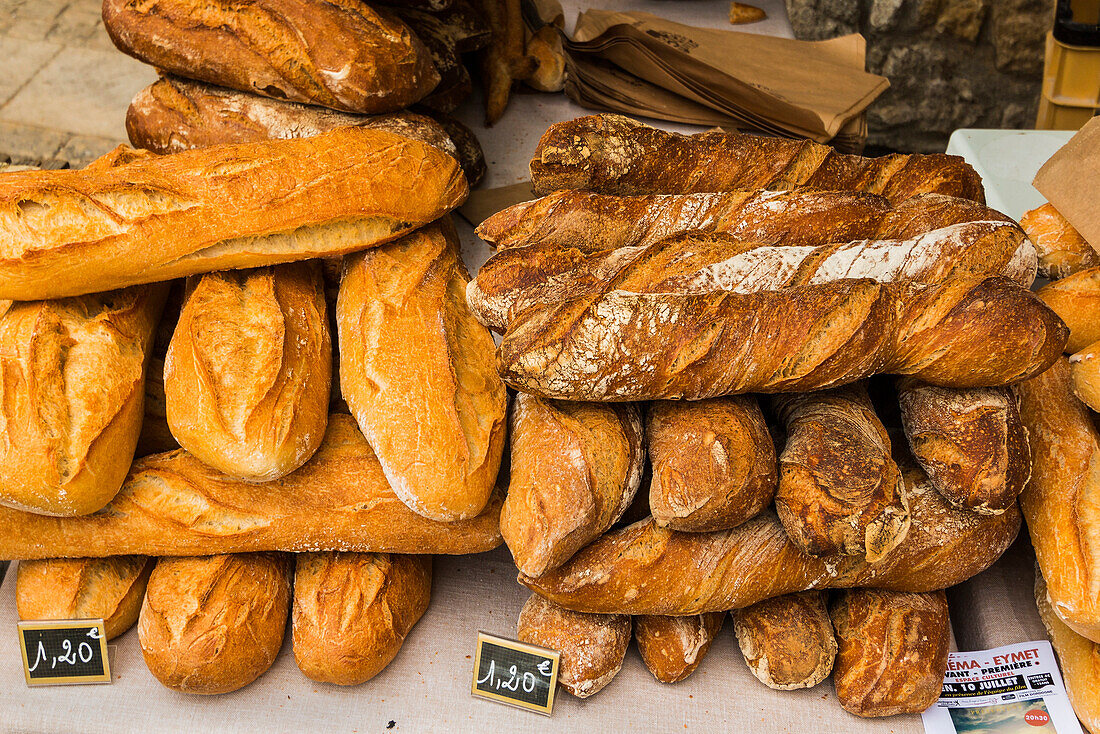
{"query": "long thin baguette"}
pixel 1079 658
pixel 172 505
pixel 155 218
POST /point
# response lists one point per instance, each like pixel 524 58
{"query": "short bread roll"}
pixel 673 647
pixel 787 641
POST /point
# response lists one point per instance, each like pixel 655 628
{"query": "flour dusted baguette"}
pixel 575 468
pixel 417 372
pixel 617 155
pixel 1078 658
pixel 1061 248
pixel 787 641
pixel 173 505
pixel 1076 300
pixel 673 647
pixel 346 56
pixel 73 397
pixel 352 611
pixel 162 217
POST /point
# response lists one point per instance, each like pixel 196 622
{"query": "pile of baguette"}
pixel 734 305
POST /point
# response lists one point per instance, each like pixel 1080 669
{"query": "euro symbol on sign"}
pixel 94 633
pixel 545 667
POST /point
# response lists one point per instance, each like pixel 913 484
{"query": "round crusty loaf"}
pixel 787 641
pixel 673 647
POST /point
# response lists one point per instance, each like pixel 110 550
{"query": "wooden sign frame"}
pixel 521 647
pixel 53 624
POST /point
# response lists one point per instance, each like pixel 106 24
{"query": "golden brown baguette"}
pixel 892 650
pixel 1060 502
pixel 645 569
pixel 110 589
pixel 613 154
pixel 417 371
pixel 1085 369
pixel 713 462
pixel 575 468
pixel 64 233
pixel 1078 658
pixel 970 442
pixel 839 488
pixel 352 611
pixel 214 624
pixel 592 646
pixel 1061 248
pixel 73 397
pixel 673 647
pixel 336 54
pixel 246 379
pixel 618 345
pixel 788 641
pixel 174 505
pixel 1076 300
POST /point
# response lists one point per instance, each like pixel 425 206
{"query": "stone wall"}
pixel 951 63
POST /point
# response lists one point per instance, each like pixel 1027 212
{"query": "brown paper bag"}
pixel 1071 181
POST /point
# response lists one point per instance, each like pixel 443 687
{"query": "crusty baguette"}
pixel 617 155
pixel 417 371
pixel 646 569
pixel 174 505
pixel 336 54
pixel 84 588
pixel 575 468
pixel 455 84
pixel 73 397
pixel 64 233
pixel 352 611
pixel 1085 369
pixel 840 490
pixel 1078 658
pixel 673 647
pixel 618 345
pixel 714 464
pixel 214 624
pixel 1076 300
pixel 592 646
pixel 970 442
pixel 1060 502
pixel 1061 248
pixel 787 641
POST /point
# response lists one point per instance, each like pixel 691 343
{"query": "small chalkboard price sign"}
pixel 64 652
pixel 515 673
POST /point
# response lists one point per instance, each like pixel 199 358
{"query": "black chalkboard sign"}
pixel 515 673
pixel 65 651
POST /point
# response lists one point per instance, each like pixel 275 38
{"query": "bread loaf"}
pixel 788 641
pixel 1078 658
pixel 575 468
pixel 592 646
pixel 1060 501
pixel 214 624
pixel 646 569
pixel 64 233
pixel 892 650
pixel 1085 369
pixel 454 84
pixel 713 463
pixel 73 397
pixel 110 589
pixel 1076 300
pixel 970 442
pixel 336 54
pixel 613 154
pixel 673 647
pixel 618 345
pixel 174 505
pixel 417 371
pixel 1061 248
pixel 352 611
pixel 246 379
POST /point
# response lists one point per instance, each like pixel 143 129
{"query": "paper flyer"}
pixel 1015 689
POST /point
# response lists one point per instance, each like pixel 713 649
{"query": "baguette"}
pixel 160 217
pixel 454 84
pixel 713 461
pixel 618 345
pixel 646 569
pixel 1085 369
pixel 788 641
pixel 73 397
pixel 110 589
pixel 613 154
pixel 592 646
pixel 1060 502
pixel 970 442
pixel 174 505
pixel 575 469
pixel 1078 658
pixel 417 372
pixel 352 612
pixel 1061 248
pixel 673 647
pixel 214 624
pixel 1076 300
pixel 342 55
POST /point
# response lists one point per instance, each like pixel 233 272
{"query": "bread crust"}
pixel 787 641
pixel 1061 248
pixel 673 647
pixel 1078 658
pixel 1076 300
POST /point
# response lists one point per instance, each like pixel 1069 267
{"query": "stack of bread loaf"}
pixel 661 287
